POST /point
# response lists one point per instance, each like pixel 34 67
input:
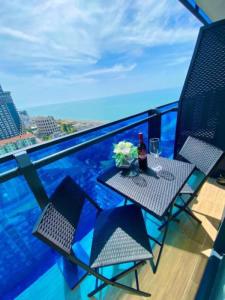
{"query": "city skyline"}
pixel 59 51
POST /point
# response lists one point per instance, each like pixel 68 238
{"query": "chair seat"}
pixel 120 236
pixel 187 189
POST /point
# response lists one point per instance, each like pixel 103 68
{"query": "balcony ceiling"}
pixel 214 9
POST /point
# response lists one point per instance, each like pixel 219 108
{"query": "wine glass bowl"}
pixel 155 147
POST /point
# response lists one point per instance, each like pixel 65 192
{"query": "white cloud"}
pixel 70 37
pixel 92 76
pixel 18 35
pixel 113 70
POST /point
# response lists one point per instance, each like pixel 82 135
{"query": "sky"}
pixel 55 51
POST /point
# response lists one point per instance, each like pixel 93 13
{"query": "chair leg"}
pixel 152 264
pixel 113 282
pixel 181 209
pixel 190 213
pixel 155 240
pixel 136 278
pixel 167 221
pixel 185 209
pixel 163 239
pixel 96 282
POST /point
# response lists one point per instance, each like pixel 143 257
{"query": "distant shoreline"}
pixel 99 98
pixel 107 109
pixel 80 125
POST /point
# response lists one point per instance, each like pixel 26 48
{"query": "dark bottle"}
pixel 142 153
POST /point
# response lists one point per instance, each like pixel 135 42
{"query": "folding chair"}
pixel 205 157
pixel 119 236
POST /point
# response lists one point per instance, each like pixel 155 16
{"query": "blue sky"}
pixel 55 51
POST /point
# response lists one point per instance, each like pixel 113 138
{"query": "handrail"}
pixel 53 157
pixel 59 140
pixel 10 174
pixel 60 154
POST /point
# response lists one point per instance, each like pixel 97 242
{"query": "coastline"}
pixel 79 124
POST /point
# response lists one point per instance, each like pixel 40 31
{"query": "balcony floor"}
pixel 182 262
pixel 185 253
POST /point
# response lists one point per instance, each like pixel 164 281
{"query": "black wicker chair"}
pixel 120 235
pixel 205 157
pixel 202 101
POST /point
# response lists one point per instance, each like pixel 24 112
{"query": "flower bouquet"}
pixel 124 154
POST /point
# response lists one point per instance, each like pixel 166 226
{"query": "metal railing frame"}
pixel 59 140
pixel 197 12
pixel 28 168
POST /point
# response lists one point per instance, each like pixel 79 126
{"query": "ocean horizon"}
pixel 107 108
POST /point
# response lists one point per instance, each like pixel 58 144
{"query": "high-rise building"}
pixel 10 123
pixel 47 126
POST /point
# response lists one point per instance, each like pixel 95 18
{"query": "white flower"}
pixel 124 151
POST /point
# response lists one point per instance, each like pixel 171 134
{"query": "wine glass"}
pixel 154 147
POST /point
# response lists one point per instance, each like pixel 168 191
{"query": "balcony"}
pixel 188 268
pixel 36 272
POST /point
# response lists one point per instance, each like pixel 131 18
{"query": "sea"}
pixel 107 108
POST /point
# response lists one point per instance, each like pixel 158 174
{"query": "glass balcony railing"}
pixel 83 156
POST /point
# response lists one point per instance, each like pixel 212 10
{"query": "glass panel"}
pixel 168 133
pixel 38 154
pixel 23 257
pixel 85 166
pixel 19 211
pixel 168 106
pixel 5 166
pixel 32 261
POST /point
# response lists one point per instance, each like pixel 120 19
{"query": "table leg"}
pixel 163 239
pixel 182 208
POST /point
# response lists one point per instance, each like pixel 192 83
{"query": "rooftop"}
pixel 16 138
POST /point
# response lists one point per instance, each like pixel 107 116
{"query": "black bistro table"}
pixel 155 190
